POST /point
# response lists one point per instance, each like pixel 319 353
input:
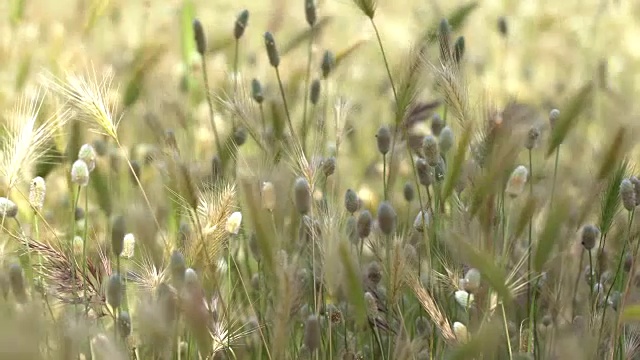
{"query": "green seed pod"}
pixel 114 291
pixel 310 12
pixel 408 192
pixel 383 138
pixel 458 50
pixel 351 201
pixel 590 234
pixel 532 138
pixel 80 173
pixel 88 155
pixel 329 166
pixel 302 195
pixel 8 209
pixel 386 218
pixel 314 92
pixel 241 24
pixel 198 35
pixel 502 26
pixel 431 150
pixel 16 279
pixel 328 61
pixel 446 139
pixel 124 324
pixel 437 124
pixel 312 333
pixel 628 194
pixel 118 231
pixel 424 171
pixel 554 115
pixel 272 50
pixel 256 91
pixel 364 224
pixel 178 268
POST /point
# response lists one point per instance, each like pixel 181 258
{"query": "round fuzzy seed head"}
pixel 439 170
pixel 312 333
pixel 460 331
pixel 37 191
pixel 198 35
pixel 8 209
pixel 100 147
pixel 310 12
pixel 408 192
pixel 383 138
pixel 374 273
pixel 502 26
pixel 233 223
pixel 446 139
pixel 437 124
pixel 444 37
pixel 628 194
pixel 590 234
pixel 272 50
pixel 329 166
pixel 16 279
pixel 532 138
pixel 129 246
pixel 256 91
pixel 80 173
pixel 178 267
pixel 79 214
pixel 351 201
pixel 114 291
pixel 268 196
pixel 554 115
pixel 431 150
pixel 365 221
pixel 517 181
pixel 191 277
pixel 302 195
pixel 314 92
pixel 240 136
pixel 472 280
pixel 458 49
pixel 118 231
pixel 424 171
pixel 386 218
pixel 241 24
pixel 421 221
pixel 463 298
pixel 328 61
pixel 636 186
pixel 124 323
pixel 88 155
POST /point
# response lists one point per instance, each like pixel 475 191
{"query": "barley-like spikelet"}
pixel 24 141
pixel 88 97
pixel 436 315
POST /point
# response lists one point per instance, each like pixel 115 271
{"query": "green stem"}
pixel 286 106
pixel 384 176
pixel 555 176
pixel 306 92
pixel 84 249
pixel 210 103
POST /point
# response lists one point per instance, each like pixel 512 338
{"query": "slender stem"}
pixel 306 91
pixel 506 330
pixel 530 305
pixel 591 278
pixel 84 249
pixel 262 119
pixel 210 103
pixel 555 176
pixel 73 235
pixel 384 176
pixel 284 101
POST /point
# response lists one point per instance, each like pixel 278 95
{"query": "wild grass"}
pixel 314 179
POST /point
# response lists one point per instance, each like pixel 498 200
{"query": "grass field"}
pixel 329 179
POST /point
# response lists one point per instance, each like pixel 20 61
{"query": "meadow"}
pixel 328 179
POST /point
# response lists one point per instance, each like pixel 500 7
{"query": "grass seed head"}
pixel 233 223
pixel 129 245
pixel 424 171
pixel 437 124
pixel 461 332
pixel 329 166
pixel 628 194
pixel 16 279
pixel 178 268
pixel 421 221
pixel 458 50
pixel 517 181
pixel 200 38
pixel 241 24
pixel 364 224
pixel 374 273
pixel 312 333
pixel 114 291
pixel 386 218
pixel 8 209
pixel 408 192
pixel 368 7
pixel 256 91
pixel 636 186
pixel 88 154
pixel 240 136
pixel 444 39
pixel 328 62
pixel 431 150
pixel 37 192
pixel 80 173
pixel 314 92
pixel 302 195
pixel 590 234
pixel 268 196
pixel 446 140
pixel 310 12
pixel 272 50
pixel 472 280
pixel 532 138
pixel 351 201
pixel 383 138
pixel 118 232
pixel 554 115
